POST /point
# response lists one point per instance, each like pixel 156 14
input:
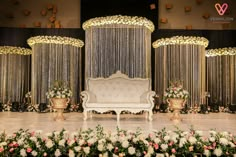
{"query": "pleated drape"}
pixel 14 77
pixel 118 47
pixel 184 62
pixel 221 78
pixel 52 62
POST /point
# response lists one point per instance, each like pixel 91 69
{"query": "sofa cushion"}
pixel 117 105
pixel 118 89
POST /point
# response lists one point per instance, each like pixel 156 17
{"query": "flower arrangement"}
pixel 59 90
pixel 175 90
pixel 99 142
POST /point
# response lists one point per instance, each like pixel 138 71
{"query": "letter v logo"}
pixel 221 9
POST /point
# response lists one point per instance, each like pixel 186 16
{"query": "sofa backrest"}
pixel 118 88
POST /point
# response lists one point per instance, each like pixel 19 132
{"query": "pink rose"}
pixel 28 150
pixel 11 150
pixel 173 150
pixel 45 154
pixel 32 133
pixel 1 149
pixel 156 146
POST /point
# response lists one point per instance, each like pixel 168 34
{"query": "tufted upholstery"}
pixel 118 93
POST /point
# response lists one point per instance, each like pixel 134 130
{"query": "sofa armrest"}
pixel 148 97
pixel 88 97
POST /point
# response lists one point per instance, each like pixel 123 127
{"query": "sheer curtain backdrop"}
pixel 221 78
pixel 55 58
pixel 118 43
pixel 14 73
pixel 181 58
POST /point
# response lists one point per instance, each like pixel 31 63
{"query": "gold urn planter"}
pixel 176 104
pixel 59 104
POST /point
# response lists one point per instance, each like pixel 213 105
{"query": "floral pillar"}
pixel 14 73
pixel 55 58
pixel 118 43
pixel 221 75
pixel 181 58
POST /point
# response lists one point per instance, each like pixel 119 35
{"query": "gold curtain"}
pixel 52 61
pixel 221 78
pixel 14 77
pixel 109 49
pixel 184 62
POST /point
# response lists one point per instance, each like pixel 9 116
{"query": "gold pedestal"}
pixel 59 104
pixel 177 105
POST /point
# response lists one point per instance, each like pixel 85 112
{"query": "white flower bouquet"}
pixel 175 90
pixel 59 90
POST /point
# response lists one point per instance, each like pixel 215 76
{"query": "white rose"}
pixel 192 140
pixel 212 139
pixel 71 153
pixel 223 141
pixel 77 149
pixel 91 141
pixel 20 142
pixel 62 143
pixel 49 144
pixel 86 150
pixel 100 147
pixel 199 132
pixel 110 147
pixel 81 142
pixel 23 152
pixel 218 152
pixel 157 140
pixel 33 138
pixel 212 132
pixel 71 142
pixel 131 150
pixel 105 154
pixel 160 155
pixel 232 144
pixel 150 150
pixel 166 138
pixel 135 140
pixel 125 144
pixel 207 153
pixel 57 152
pixel 164 147
pixel 34 153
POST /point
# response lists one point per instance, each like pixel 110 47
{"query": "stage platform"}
pixel 13 121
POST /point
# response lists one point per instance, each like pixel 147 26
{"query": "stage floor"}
pixel 13 121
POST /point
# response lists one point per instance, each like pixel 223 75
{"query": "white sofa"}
pixel 118 93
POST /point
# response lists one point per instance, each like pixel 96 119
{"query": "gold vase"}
pixel 59 104
pixel 176 104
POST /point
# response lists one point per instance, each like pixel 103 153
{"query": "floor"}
pixel 13 121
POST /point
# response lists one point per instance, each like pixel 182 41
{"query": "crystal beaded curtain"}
pixel 118 47
pixel 221 78
pixel 184 62
pixel 14 77
pixel 52 62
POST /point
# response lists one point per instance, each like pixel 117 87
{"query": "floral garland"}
pixel 181 40
pixel 15 50
pixel 98 142
pixel 175 90
pixel 221 52
pixel 119 19
pixel 55 40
